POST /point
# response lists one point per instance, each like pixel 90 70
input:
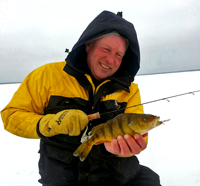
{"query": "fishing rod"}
pixel 98 115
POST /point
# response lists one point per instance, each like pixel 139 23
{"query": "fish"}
pixel 126 123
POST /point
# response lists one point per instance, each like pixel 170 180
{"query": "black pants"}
pixel 57 173
pixel 146 177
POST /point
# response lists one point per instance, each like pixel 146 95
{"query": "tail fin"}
pixel 83 150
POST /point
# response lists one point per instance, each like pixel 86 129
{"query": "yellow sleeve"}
pixel 135 100
pixel 26 108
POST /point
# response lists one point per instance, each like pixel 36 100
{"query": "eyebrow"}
pixel 107 46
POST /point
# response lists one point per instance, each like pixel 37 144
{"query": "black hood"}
pixel 107 22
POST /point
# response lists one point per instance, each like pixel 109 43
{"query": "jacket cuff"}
pixel 38 131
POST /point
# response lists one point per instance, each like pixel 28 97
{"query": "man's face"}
pixel 105 55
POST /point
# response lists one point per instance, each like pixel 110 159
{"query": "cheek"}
pixel 118 63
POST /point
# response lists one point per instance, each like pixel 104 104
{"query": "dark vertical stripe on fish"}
pixel 120 124
pixel 96 135
pixel 110 129
pixel 129 118
pixel 103 131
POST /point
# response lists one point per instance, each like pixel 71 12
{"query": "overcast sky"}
pixel 36 32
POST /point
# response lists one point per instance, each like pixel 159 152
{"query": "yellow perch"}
pixel 127 123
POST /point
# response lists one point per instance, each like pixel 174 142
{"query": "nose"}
pixel 110 58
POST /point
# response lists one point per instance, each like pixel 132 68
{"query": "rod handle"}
pixel 94 116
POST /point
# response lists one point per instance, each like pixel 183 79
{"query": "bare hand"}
pixel 126 145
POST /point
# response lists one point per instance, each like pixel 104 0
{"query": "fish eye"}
pixel 145 119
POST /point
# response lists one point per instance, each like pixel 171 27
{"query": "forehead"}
pixel 112 41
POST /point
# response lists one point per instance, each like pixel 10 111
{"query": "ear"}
pixel 87 46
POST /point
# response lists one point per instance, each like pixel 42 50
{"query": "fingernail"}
pixel 126 136
pixel 119 137
pixel 137 136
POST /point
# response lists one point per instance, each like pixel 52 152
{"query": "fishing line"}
pixel 98 115
pixel 150 102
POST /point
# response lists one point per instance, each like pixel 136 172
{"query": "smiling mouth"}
pixel 104 66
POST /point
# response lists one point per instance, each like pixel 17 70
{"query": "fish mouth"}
pixel 104 66
pixel 156 122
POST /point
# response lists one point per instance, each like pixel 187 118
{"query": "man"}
pixel 53 102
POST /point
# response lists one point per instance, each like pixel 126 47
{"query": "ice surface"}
pixel 173 150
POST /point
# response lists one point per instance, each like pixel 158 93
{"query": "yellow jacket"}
pixel 49 83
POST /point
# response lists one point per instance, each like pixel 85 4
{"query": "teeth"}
pixel 104 66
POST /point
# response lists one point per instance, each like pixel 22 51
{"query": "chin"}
pixel 100 78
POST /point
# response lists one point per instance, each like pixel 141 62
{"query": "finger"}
pixel 141 141
pixel 133 145
pixel 125 150
pixel 108 146
pixel 115 147
pixel 112 147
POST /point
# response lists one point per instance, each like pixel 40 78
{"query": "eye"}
pixel 106 49
pixel 119 56
pixel 146 119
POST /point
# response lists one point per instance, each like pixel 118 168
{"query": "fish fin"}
pixel 84 136
pixel 99 142
pixel 83 150
pixel 131 124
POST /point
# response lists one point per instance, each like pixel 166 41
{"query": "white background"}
pixel 173 150
pixel 36 32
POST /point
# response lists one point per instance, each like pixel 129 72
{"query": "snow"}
pixel 173 150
